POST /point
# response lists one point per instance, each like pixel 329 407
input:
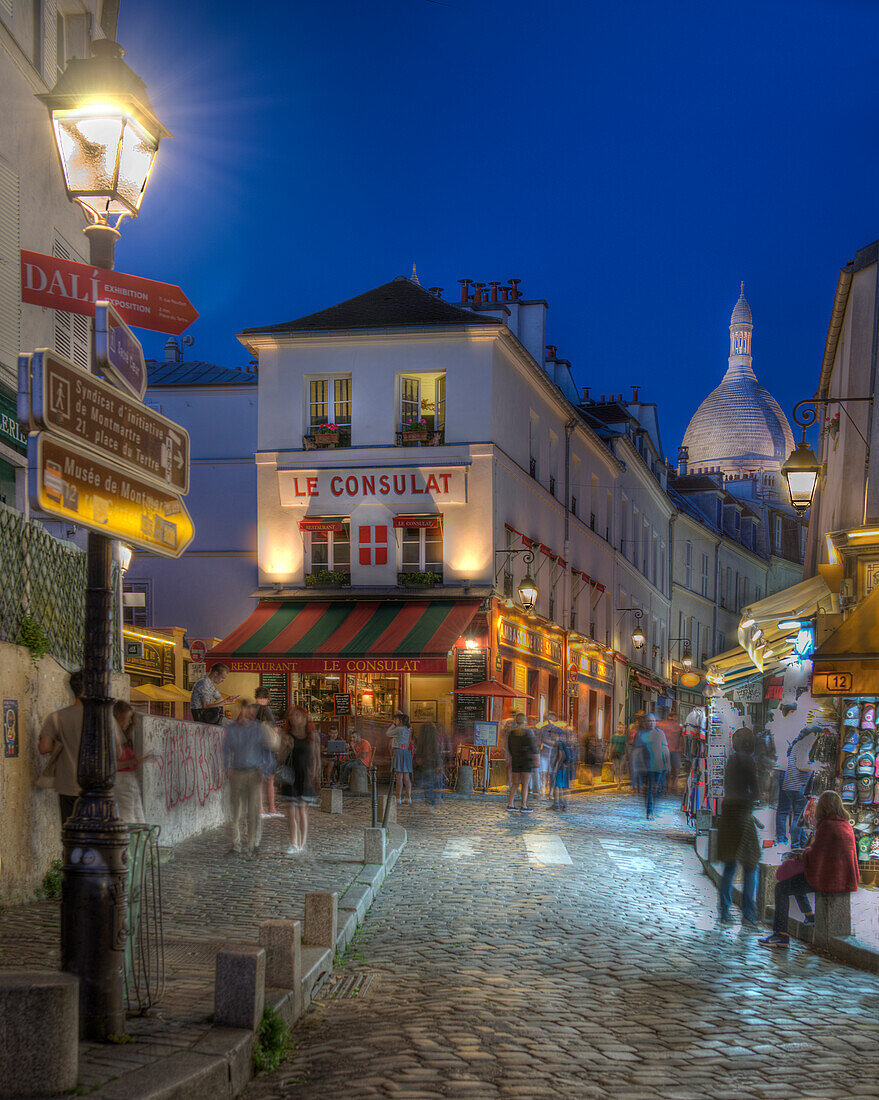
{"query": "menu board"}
pixel 471 668
pixel 275 684
pixel 342 703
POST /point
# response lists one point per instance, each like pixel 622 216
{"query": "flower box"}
pixel 415 435
pixel 327 578
pixel 326 439
pixel 419 580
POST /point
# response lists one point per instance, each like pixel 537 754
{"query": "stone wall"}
pixel 183 785
pixel 30 828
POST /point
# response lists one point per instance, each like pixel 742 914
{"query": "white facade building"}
pixel 36 42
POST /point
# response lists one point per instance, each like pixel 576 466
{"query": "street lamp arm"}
pixel 805 413
pixel 528 558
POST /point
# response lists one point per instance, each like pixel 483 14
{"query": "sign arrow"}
pixel 75 288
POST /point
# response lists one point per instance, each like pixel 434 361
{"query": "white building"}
pixel 380 551
pixel 37 39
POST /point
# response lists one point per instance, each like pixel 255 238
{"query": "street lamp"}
pixel 686 651
pixel 527 590
pixel 639 638
pixel 107 138
pixel 801 473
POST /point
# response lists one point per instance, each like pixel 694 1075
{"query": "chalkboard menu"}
pixel 471 668
pixel 275 684
pixel 341 703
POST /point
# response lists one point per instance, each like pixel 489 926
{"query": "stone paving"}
pixel 491 967
pixel 210 897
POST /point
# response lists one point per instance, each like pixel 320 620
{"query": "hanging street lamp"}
pixel 801 472
pixel 107 138
pixel 527 590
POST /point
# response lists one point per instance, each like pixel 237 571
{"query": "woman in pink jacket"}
pixel 829 866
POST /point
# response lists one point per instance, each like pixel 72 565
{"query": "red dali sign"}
pixel 75 288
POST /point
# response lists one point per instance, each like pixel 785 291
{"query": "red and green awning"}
pixel 347 636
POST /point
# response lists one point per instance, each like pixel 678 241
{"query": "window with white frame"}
pixel 422 401
pixel 421 550
pixel 137 609
pixel 330 550
pixel 329 402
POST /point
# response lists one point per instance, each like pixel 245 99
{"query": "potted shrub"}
pixel 419 580
pixel 326 435
pixel 327 578
pixel 415 431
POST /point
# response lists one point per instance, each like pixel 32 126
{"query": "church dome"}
pixel 739 426
pixel 739 423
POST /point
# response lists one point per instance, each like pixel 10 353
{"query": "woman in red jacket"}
pixel 830 866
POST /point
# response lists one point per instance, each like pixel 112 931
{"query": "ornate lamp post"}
pixel 107 138
pixel 527 589
pixel 639 638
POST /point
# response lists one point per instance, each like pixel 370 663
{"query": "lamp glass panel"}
pixel 88 141
pixel 528 594
pixel 802 485
pixel 136 157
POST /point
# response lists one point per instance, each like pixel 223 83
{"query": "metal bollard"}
pixel 390 795
pixel 373 781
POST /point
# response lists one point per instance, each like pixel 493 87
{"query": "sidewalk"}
pixel 211 897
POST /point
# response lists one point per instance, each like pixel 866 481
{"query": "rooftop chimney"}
pixel 635 390
pixel 437 291
pixel 586 396
pixel 551 351
pixel 515 293
pixel 172 351
pixel 465 289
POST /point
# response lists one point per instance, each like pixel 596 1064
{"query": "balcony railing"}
pixel 326 440
pixel 429 578
pixel 414 437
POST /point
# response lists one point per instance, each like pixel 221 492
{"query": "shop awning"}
pixel 759 633
pixel 847 662
pixel 159 693
pixel 347 636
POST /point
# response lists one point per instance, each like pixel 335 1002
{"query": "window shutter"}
pixel 50 41
pixel 73 332
pixel 10 308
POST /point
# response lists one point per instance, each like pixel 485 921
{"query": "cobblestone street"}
pixel 573 954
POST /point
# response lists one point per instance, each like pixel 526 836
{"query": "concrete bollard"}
pixel 321 919
pixel 358 779
pixel 331 800
pixel 39 1010
pixel 465 779
pixel 240 987
pixel 375 845
pixel 282 940
pixel 833 918
pixel 765 888
pixel 392 812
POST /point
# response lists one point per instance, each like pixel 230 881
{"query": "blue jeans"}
pixel 749 891
pixel 790 805
pixel 797 887
pixel 430 785
pixel 651 781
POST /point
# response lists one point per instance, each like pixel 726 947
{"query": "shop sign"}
pixel 10 433
pixel 197 649
pixel 831 683
pixel 133 649
pixel 471 668
pixel 749 693
pixel 518 637
pixel 485 733
pixel 194 672
pixel 591 665
pixel 326 526
pixel 348 488
pixel 428 523
pixel 275 683
pixel 333 665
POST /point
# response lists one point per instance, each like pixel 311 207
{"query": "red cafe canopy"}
pixel 493 689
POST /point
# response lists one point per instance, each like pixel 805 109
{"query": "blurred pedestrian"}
pixel 656 760
pixel 129 804
pixel 674 733
pixel 522 757
pixel 828 865
pixel 548 735
pixel 399 737
pixel 618 751
pixel 562 758
pixel 244 756
pixel 737 840
pixel 302 769
pixel 272 739
pixel 59 739
pixel 635 751
pixel 427 761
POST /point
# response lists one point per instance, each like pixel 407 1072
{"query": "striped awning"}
pixel 346 636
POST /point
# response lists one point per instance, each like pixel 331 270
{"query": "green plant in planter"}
pixel 272 1044
pixel 420 580
pixel 32 636
pixel 326 578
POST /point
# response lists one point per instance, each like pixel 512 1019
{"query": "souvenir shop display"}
pixel 695 740
pixel 859 774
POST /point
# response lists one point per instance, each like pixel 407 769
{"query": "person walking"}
pixel 129 804
pixel 302 766
pixel 427 761
pixel 562 758
pixel 522 760
pixel 266 718
pixel 829 865
pixel 400 736
pixel 59 739
pixel 245 758
pixel 674 733
pixel 618 751
pixel 635 751
pixel 656 760
pixel 737 840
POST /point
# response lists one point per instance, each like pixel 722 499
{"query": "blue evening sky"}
pixel 631 162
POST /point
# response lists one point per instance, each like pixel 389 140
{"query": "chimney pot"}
pixel 586 396
pixel 465 289
pixel 494 287
pixel 515 293
pixel 437 291
pixel 551 350
pixel 635 390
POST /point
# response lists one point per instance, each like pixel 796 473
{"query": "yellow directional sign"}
pixel 73 484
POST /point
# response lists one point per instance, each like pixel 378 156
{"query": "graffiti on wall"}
pixel 189 758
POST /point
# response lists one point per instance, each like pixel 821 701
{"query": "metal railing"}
pixel 145 944
pixel 42 597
